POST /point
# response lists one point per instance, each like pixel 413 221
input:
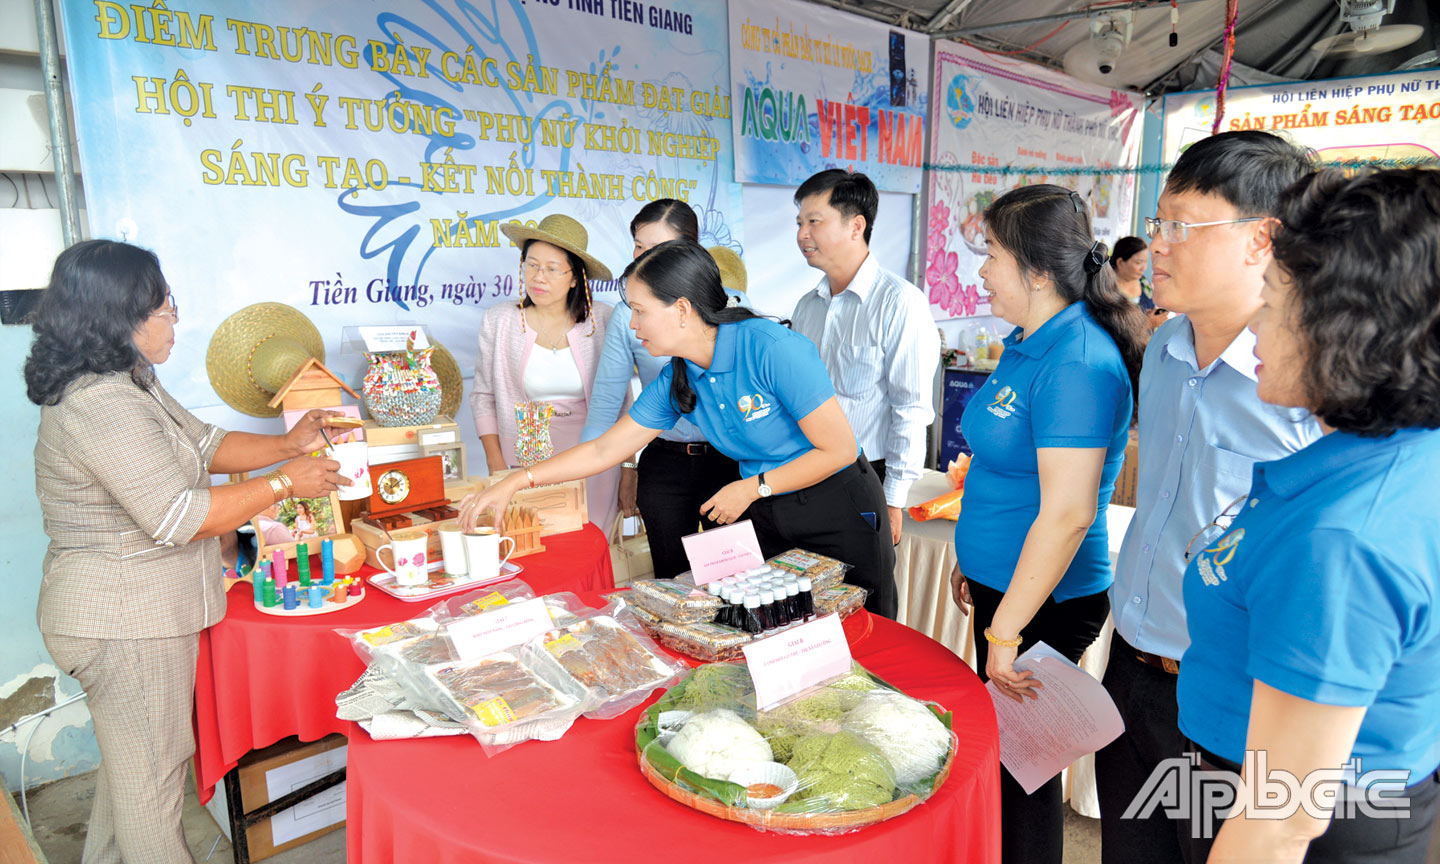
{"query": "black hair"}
pixel 1249 169
pixel 682 268
pixel 851 193
pixel 577 301
pixel 1363 254
pixel 676 214
pixel 1047 229
pixel 1126 248
pixel 100 292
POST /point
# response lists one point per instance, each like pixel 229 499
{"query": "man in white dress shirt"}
pixel 873 329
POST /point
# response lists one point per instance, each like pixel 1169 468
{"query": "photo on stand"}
pixel 287 523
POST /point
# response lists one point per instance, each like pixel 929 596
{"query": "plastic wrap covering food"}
pixel 675 601
pixel 619 667
pixel 508 697
pixel 481 600
pixel 822 571
pixel 838 757
pixel 844 600
pixel 366 642
pixel 707 642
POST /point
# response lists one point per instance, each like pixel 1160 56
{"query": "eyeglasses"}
pixel 1227 515
pixel 528 269
pixel 173 309
pixel 1175 231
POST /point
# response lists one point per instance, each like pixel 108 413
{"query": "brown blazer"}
pixel 122 475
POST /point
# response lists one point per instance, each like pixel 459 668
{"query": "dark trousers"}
pixel 1145 697
pixel 672 486
pixel 1032 827
pixel 831 518
pixel 1357 838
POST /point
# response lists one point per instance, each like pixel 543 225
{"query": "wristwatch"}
pixel 765 490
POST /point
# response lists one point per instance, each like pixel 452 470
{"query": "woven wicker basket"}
pixel 849 820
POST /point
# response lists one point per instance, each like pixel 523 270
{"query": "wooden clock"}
pixel 408 486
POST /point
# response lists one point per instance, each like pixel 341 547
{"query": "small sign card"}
pixel 500 628
pixel 797 659
pixel 722 552
pixel 392 338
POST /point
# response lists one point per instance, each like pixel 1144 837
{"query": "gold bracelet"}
pixel 1003 643
pixel 279 485
pixel 531 476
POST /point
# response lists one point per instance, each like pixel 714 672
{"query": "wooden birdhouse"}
pixel 312 386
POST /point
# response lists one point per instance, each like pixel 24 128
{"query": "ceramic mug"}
pixel 482 553
pixel 354 459
pixel 452 549
pixel 409 549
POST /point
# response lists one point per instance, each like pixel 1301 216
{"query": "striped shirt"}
pixel 880 345
pixel 122 474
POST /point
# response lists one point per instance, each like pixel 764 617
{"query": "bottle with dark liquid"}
pixel 806 597
pixel 753 624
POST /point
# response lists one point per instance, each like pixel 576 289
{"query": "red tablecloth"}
pixel 582 798
pixel 260 678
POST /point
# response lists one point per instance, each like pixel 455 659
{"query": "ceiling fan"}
pixel 1366 34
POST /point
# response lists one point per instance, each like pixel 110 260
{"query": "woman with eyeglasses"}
pixel 133 571
pixel 1049 430
pixel 680 470
pixel 1315 618
pixel 544 351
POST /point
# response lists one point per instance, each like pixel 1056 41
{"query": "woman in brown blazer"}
pixel 133 573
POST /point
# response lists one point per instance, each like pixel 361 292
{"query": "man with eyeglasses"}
pixel 1202 428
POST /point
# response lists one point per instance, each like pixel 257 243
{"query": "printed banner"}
pixel 356 161
pixel 814 88
pixel 1371 118
pixel 1004 115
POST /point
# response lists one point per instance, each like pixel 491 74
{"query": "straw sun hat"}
pixel 560 230
pixel 732 269
pixel 256 351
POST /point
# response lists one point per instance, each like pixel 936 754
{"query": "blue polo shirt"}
pixel 763 379
pixel 1063 386
pixel 1326 587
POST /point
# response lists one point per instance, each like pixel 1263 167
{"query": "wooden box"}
pixel 373 536
pixel 561 506
pixel 442 431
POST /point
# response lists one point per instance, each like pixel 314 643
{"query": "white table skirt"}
pixel 923 562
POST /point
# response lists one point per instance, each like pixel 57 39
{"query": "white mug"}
pixel 354 459
pixel 482 553
pixel 409 547
pixel 452 549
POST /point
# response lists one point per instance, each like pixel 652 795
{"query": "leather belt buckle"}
pixel 1171 666
pixel 694 449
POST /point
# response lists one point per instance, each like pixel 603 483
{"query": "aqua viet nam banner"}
pixel 813 88
pixel 356 160
pixel 1001 123
pixel 1377 117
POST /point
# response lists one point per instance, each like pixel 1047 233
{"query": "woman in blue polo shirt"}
pixel 1315 618
pixel 761 395
pixel 1048 430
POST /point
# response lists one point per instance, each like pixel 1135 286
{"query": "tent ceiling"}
pixel 1273 37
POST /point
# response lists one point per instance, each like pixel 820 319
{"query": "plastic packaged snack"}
pixel 844 600
pixel 674 601
pixel 482 600
pixel 822 571
pixel 508 697
pixel 708 642
pixel 619 667
pixel 847 754
pixel 367 642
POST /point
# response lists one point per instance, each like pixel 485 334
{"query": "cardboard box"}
pixel 1129 479
pixel 275 771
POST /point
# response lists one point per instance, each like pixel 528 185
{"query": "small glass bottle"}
pixel 735 609
pixel 782 615
pixel 792 601
pixel 807 598
pixel 767 609
pixel 753 624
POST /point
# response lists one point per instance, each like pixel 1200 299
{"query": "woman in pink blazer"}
pixel 544 349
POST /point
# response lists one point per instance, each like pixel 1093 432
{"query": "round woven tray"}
pixel 848 820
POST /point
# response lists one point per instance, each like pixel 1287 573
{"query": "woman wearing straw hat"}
pixel 132 574
pixel 761 395
pixel 544 350
pixel 680 470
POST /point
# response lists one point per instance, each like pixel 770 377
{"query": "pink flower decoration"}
pixel 420 559
pixel 971 299
pixel 940 276
pixel 939 218
pixel 401 562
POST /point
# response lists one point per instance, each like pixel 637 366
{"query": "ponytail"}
pixel 1047 229
pixel 682 268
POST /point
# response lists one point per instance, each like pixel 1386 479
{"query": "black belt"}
pixel 1211 762
pixel 686 448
